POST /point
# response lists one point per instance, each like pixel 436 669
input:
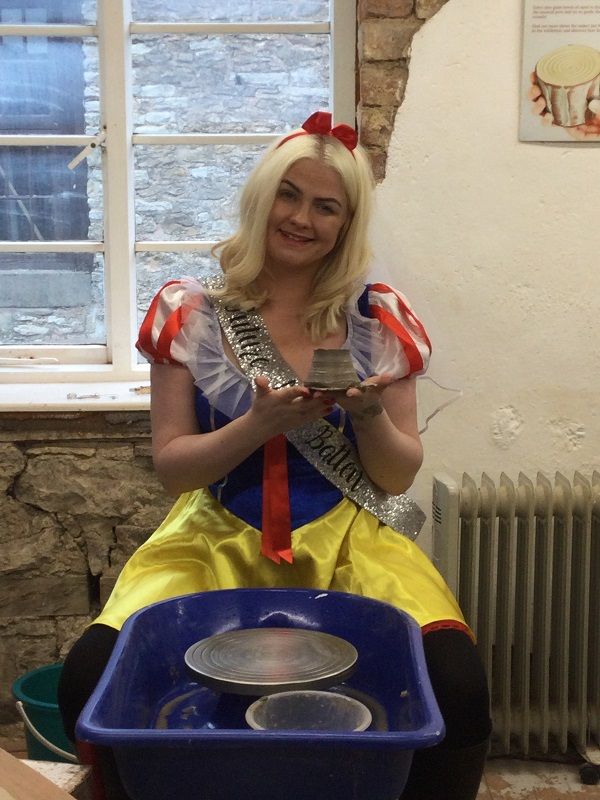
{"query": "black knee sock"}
pixel 439 773
pixel 460 686
pixel 453 769
pixel 81 672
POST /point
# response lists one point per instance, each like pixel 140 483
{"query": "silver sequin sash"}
pixel 320 443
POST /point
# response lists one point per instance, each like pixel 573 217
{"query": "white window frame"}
pixel 109 377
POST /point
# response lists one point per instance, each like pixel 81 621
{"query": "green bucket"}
pixel 36 696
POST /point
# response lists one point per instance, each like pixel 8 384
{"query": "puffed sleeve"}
pixel 403 347
pixel 163 336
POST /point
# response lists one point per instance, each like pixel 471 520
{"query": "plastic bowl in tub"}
pixel 306 710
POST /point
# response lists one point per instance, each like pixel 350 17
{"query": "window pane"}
pixel 40 11
pixel 43 86
pixel 52 298
pixel 231 10
pixel 41 199
pixel 228 84
pixel 189 192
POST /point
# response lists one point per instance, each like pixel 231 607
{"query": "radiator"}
pixel 524 562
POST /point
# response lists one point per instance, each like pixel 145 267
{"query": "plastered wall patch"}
pixel 507 425
pixel 567 433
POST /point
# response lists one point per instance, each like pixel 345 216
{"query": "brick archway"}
pixel 385 32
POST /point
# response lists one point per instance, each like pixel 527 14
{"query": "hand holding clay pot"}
pixel 565 90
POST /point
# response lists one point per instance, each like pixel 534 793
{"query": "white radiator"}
pixel 524 562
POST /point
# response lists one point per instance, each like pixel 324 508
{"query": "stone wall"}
pixel 77 491
pixel 77 495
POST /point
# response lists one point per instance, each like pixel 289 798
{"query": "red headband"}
pixel 320 123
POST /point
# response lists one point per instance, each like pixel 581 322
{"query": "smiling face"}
pixel 306 218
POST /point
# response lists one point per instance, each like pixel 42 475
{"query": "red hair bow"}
pixel 320 123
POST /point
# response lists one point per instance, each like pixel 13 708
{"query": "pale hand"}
pixel 280 410
pixel 586 132
pixel 363 402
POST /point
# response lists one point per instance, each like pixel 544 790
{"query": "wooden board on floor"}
pixel 75 779
pixel 20 782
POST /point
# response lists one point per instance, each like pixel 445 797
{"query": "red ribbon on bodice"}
pixel 276 540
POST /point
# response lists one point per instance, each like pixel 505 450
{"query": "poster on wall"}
pixel 560 92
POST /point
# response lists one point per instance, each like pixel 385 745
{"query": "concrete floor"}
pixel 513 779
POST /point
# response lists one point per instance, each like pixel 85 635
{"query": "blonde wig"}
pixel 242 255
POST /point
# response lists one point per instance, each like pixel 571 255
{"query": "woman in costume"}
pixel 280 485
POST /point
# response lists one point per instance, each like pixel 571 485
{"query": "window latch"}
pixel 87 150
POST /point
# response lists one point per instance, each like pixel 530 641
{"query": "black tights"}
pixel 81 672
pixel 451 770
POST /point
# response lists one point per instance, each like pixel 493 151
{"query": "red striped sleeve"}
pixel 399 318
pixel 160 326
pixel 411 350
pixel 385 289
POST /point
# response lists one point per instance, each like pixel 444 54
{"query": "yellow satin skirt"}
pixel 201 546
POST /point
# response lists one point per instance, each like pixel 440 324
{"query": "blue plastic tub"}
pixel 207 752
